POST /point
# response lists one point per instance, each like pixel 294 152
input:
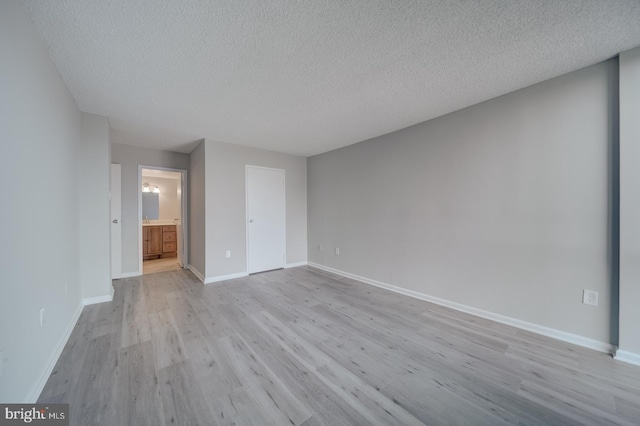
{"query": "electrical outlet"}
pixel 228 254
pixel 66 288
pixel 41 317
pixel 337 251
pixel 320 247
pixel 590 297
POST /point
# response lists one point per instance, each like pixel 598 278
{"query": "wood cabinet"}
pixel 152 240
pixel 159 241
pixel 169 241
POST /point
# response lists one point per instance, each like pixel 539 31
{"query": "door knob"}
pixel 115 221
pixel 250 220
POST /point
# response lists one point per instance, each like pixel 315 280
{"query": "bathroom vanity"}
pixel 159 241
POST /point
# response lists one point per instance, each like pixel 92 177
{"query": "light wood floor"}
pixel 160 265
pixel 302 347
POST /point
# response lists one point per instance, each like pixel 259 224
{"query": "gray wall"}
pixel 130 157
pixel 225 204
pixel 94 218
pixel 630 202
pixel 39 135
pixel 501 206
pixel 197 209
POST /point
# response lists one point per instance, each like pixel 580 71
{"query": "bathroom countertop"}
pixel 160 223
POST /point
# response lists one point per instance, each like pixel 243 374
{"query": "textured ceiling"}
pixel 308 76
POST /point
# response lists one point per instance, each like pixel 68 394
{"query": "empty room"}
pixel 320 213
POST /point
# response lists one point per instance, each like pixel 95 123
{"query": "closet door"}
pixel 266 225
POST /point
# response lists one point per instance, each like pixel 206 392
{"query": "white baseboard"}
pixel 295 265
pixel 210 280
pixel 628 357
pixel 524 325
pixel 98 299
pixel 219 278
pixel 195 272
pixel 35 392
pixel 129 275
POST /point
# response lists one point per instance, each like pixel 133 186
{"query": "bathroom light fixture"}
pixel 148 188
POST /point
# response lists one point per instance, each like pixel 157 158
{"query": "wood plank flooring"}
pixel 304 347
pixel 160 265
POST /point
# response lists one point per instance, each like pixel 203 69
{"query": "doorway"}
pixel 162 216
pixel 266 220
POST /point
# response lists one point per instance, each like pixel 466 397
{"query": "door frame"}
pixel 183 213
pixel 246 209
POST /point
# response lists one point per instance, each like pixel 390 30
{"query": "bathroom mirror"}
pixel 150 206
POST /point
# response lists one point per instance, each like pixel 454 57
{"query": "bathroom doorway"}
pixel 162 215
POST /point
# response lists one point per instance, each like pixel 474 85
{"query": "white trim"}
pixel 36 390
pixel 196 272
pixel 139 213
pixel 295 265
pixel 216 279
pixel 246 210
pixel 246 215
pixel 628 357
pixel 98 299
pixel 184 219
pixel 225 277
pixel 524 325
pixel 128 275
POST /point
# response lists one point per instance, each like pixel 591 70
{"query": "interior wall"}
pixel 630 202
pixel 169 208
pixel 130 157
pixel 40 135
pixel 94 171
pixel 502 206
pixel 197 209
pixel 226 201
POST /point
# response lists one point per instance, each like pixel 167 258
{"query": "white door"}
pixel 179 235
pixel 266 229
pixel 116 227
